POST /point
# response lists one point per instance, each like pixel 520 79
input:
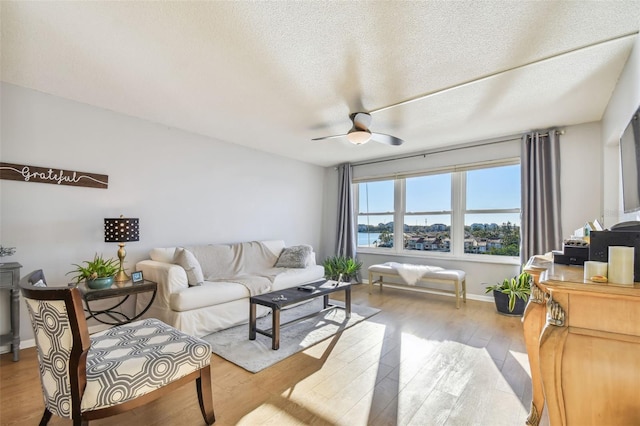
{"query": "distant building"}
pixel 415 243
pixel 438 227
pixel 494 244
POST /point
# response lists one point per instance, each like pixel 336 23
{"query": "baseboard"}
pixel 30 343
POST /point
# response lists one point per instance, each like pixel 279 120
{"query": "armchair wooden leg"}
pixel 205 395
pixel 46 416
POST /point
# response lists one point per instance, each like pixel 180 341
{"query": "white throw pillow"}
pixel 188 261
pixel 294 257
pixel 165 255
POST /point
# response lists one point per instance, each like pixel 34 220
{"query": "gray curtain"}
pixel 346 233
pixel 540 168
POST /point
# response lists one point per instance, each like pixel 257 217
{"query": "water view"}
pixel 368 239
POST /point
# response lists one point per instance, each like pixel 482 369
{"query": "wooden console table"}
pixel 10 280
pixel 583 343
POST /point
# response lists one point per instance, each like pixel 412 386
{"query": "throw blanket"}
pixel 219 262
pixel 255 284
pixel 245 263
pixel 412 273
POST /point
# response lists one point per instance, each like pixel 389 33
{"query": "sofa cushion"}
pixel 208 294
pixel 294 257
pixel 216 260
pixel 223 261
pixel 292 277
pixel 119 371
pixel 190 264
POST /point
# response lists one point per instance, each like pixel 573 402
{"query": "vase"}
pixel 502 304
pixel 100 283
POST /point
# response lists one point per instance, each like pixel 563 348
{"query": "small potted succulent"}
pixel 98 273
pixel 512 294
pixel 335 266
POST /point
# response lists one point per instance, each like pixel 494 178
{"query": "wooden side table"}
pixel 10 280
pixel 110 315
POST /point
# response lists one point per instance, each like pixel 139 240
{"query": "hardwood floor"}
pixel 418 362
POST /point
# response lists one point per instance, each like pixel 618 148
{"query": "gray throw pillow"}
pixel 294 257
pixel 190 264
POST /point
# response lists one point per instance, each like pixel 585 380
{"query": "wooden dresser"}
pixel 583 343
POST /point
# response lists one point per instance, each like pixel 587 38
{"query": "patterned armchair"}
pixel 86 378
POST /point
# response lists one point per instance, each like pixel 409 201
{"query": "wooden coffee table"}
pixel 276 300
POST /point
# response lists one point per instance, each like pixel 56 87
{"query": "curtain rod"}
pixel 557 132
pixel 475 80
pixel 438 151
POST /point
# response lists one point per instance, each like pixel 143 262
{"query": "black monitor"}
pixel 630 164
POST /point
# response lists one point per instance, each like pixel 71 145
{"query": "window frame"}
pixel 434 212
pixel 458 213
pixel 357 213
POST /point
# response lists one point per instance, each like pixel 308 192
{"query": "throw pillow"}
pixel 188 261
pixel 294 257
pixel 39 283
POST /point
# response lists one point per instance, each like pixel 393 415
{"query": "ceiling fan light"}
pixel 358 137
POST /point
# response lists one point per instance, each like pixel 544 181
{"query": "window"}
pixel 492 216
pixel 376 214
pixel 427 217
pixel 473 211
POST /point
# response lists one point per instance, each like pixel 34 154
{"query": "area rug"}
pixel 233 344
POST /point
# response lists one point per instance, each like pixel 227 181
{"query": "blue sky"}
pixel 489 188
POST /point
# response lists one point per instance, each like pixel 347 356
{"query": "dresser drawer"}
pixel 6 279
pixel 611 315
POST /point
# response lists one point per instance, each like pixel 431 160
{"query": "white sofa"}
pixel 231 273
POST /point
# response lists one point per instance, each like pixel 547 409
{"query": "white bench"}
pixel 437 275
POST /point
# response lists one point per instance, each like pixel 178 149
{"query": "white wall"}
pixel 581 176
pixel 185 188
pixel 623 104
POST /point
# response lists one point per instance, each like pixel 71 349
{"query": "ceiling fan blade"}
pixel 361 120
pixel 328 137
pixel 386 139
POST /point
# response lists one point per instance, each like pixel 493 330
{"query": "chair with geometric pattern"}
pixel 90 377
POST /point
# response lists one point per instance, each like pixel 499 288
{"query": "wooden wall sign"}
pixel 50 175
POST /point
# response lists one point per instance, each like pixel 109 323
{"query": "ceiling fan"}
pixel 360 133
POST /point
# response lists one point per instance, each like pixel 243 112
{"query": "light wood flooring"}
pixel 417 362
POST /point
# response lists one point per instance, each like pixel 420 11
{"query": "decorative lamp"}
pixel 121 230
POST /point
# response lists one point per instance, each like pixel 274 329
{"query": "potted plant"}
pixel 98 273
pixel 336 265
pixel 512 294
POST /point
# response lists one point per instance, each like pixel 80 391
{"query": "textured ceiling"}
pixel 274 75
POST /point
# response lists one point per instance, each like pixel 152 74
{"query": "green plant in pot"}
pixel 336 265
pixel 512 294
pixel 98 273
